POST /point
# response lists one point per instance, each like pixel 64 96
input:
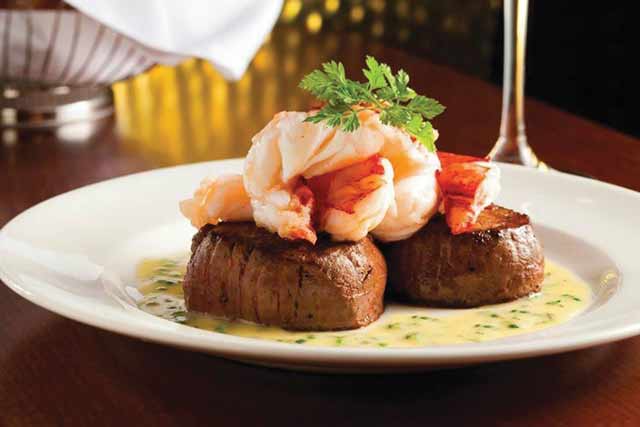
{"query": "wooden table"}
pixel 55 371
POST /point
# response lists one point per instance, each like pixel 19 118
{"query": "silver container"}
pixel 56 64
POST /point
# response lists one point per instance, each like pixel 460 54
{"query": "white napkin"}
pixel 226 32
pixel 110 40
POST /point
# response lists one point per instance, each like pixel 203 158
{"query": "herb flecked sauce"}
pixel 563 296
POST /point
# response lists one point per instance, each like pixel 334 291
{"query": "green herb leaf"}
pixel 404 92
pixel 351 123
pixel 573 297
pixel 335 70
pixel 374 73
pixel 427 107
pixel 385 92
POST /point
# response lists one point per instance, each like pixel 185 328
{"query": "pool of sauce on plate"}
pixel 563 296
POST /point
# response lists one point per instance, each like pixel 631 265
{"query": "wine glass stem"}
pixel 512 144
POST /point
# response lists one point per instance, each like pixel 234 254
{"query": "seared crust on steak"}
pixel 500 260
pixel 240 271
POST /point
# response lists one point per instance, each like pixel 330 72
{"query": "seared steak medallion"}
pixel 499 260
pixel 240 271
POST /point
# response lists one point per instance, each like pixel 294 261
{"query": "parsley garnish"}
pixel 388 93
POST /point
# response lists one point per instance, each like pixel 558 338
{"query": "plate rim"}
pixel 253 349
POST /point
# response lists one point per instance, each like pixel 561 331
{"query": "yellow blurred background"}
pixel 190 113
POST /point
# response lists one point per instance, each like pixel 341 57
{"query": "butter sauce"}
pixel 563 296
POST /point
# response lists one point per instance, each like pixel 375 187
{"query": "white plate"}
pixel 74 253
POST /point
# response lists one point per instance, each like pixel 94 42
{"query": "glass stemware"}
pixel 512 145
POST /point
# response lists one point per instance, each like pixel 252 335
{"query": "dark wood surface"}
pixel 54 371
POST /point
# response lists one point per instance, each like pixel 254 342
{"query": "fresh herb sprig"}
pixel 385 92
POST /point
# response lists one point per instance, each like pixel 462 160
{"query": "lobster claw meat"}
pixel 467 185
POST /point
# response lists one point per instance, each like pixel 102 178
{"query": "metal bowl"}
pixel 56 64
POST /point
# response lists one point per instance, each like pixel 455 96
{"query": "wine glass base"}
pixel 516 152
